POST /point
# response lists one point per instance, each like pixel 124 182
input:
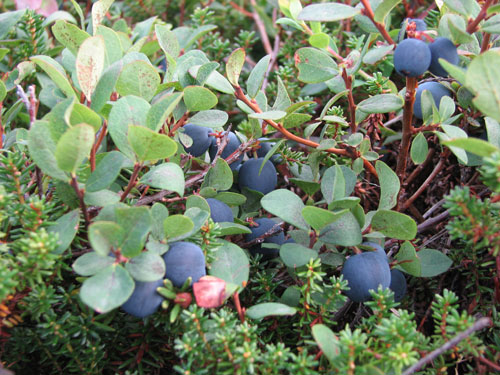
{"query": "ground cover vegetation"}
pixel 249 187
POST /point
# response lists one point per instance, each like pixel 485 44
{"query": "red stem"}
pixel 132 182
pixel 380 27
pixel 472 27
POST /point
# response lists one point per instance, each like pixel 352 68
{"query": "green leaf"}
pixel 229 229
pixel 389 186
pixel 105 236
pixel 206 74
pixel 74 147
pixel 466 8
pixel 345 231
pixel 66 227
pixel 326 340
pixel 8 20
pixel 69 35
pixel 434 262
pixel 475 146
pixel 318 218
pixel 101 198
pixel 376 54
pixel 451 132
pixel 314 65
pixel 410 261
pixel 212 118
pixel 167 40
pixel 230 198
pixel 166 176
pixel 230 264
pixel 106 172
pixel 256 77
pixel 42 149
pixel 295 255
pixel 234 65
pixel 149 145
pixel 220 176
pixel 99 10
pixel 394 224
pixel 327 12
pixel 159 212
pixel 199 98
pixel 453 70
pixel 80 113
pixel 384 9
pixel 333 184
pixel 161 110
pixel 113 48
pixel 493 131
pixel 130 110
pixel 90 64
pixel 282 101
pixel 319 40
pixel 146 267
pixel 382 103
pixel 177 227
pixel 291 212
pixel 138 78
pixel 3 91
pixel 89 264
pixel 136 222
pixel 108 289
pixel 56 73
pixel 262 310
pixel 483 79
pixel 268 115
pixel 419 149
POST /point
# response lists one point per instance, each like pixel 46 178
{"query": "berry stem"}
pixel 411 85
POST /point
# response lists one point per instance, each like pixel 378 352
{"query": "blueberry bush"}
pixel 249 187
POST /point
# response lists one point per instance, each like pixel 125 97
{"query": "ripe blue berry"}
pixel 232 145
pixel 248 176
pixel 398 284
pixel 412 57
pixel 144 300
pixel 445 49
pixel 419 24
pixel 378 249
pixel 219 211
pixel 436 89
pixel 183 260
pixel 364 272
pixel 264 225
pixel 201 139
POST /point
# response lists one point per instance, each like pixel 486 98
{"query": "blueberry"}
pixel 249 177
pixel 183 260
pixel 264 148
pixel 445 49
pixel 412 57
pixel 364 272
pixel 264 225
pixel 398 284
pixel 232 145
pixel 219 211
pixel 201 139
pixel 144 300
pixel 378 249
pixel 436 89
pixel 420 24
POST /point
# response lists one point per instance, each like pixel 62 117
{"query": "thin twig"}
pixel 80 194
pixel 478 325
pixel 97 144
pixel 472 27
pixel 276 228
pixel 411 85
pixel 352 106
pixel 262 29
pixel 338 151
pixel 428 180
pixel 432 221
pixel 132 182
pixel 380 27
pixel 419 168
